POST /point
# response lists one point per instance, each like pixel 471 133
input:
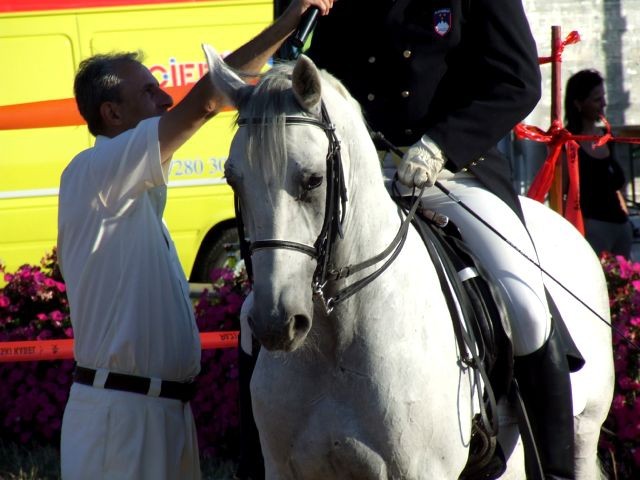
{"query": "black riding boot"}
pixel 543 380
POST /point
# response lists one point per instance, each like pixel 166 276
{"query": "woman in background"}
pixel 606 218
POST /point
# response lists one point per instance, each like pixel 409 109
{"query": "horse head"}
pixel 278 168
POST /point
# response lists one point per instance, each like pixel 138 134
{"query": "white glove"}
pixel 421 164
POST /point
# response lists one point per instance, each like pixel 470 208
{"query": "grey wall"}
pixel 610 42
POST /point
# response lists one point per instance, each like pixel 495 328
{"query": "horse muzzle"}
pixel 284 336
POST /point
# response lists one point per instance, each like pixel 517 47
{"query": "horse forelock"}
pixel 266 107
pixel 271 100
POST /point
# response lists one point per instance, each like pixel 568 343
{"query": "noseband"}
pixel 335 207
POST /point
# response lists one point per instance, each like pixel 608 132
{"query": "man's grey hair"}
pixel 97 81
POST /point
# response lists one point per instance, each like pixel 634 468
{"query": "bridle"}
pixel 332 225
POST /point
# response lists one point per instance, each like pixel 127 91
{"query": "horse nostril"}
pixel 301 324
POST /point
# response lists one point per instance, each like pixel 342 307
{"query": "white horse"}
pixel 372 387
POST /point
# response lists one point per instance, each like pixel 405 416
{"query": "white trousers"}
pixel 520 280
pixel 113 435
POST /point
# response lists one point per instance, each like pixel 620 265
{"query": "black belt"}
pixel 183 391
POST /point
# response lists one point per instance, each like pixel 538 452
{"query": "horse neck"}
pixel 371 220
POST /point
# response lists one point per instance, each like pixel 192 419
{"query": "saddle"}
pixel 480 323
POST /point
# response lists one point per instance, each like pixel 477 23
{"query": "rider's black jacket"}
pixel 462 71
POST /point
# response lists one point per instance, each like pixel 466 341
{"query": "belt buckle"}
pixel 100 377
pixel 155 387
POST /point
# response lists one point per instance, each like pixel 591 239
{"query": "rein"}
pixel 332 225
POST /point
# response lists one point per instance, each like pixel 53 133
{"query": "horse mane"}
pixel 342 90
pixel 266 107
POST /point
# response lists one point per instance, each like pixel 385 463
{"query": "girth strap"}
pixel 473 351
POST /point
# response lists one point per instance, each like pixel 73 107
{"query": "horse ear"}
pixel 223 77
pixel 306 83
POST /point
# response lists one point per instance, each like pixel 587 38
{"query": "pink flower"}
pixel 4 301
pixel 44 335
pixel 621 363
pixel 625 267
pixel 627 383
pixel 25 273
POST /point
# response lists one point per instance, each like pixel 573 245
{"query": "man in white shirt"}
pixel 137 346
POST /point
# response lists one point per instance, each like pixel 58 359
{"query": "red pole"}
pixel 556 192
pixel 556 77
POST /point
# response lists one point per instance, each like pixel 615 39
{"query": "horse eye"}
pixel 308 184
pixel 314 181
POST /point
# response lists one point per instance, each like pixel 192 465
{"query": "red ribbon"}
pixel 573 37
pixel 557 138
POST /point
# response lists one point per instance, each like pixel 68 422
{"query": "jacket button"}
pixel 481 159
pixel 405 94
pixel 408 131
pixel 371 59
pixel 371 97
pixel 406 54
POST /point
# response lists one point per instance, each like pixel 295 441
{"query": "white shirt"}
pixel 128 295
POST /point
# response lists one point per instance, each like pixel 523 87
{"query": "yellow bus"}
pixel 41 45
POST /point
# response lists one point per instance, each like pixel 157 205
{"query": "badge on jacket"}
pixel 442 21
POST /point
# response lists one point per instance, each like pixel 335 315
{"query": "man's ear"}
pixel 110 114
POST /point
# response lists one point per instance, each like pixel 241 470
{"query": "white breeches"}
pixel 520 280
pixel 114 435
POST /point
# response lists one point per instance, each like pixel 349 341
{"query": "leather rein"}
pixel 332 225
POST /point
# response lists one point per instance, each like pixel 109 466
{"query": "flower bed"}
pixel 216 405
pixel 33 305
pixel 620 441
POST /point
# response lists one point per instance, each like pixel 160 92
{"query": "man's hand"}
pixel 421 164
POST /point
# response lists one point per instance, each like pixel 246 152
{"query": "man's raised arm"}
pixel 203 102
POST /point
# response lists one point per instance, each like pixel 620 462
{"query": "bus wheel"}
pixel 219 254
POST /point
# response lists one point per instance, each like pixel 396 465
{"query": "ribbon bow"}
pixel 557 138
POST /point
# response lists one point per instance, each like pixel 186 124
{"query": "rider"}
pixel 448 80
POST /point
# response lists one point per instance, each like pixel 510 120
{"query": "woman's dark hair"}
pixel 96 82
pixel 579 86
